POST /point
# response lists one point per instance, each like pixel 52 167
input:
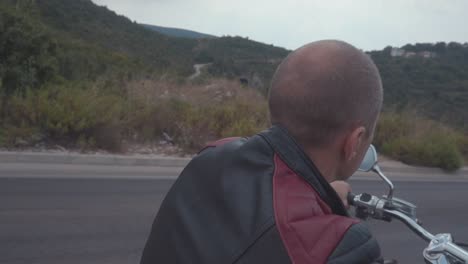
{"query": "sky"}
pixel 367 24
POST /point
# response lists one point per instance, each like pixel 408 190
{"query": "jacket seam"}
pixel 267 225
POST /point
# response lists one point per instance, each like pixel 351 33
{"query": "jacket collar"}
pixel 297 160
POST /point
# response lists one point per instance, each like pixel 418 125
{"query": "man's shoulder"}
pixel 253 148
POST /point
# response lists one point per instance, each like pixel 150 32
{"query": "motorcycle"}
pixel 441 249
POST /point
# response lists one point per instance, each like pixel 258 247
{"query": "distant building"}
pixel 397 52
pixel 410 54
pixel 427 54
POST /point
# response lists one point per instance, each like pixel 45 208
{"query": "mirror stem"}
pixel 376 169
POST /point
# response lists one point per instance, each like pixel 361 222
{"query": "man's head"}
pixel 328 94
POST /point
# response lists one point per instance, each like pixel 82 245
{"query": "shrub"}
pixel 416 141
pixel 432 150
pixel 18 136
pixel 66 115
pixel 462 143
pixel 193 114
pixel 392 126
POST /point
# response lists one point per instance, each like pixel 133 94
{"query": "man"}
pixel 268 198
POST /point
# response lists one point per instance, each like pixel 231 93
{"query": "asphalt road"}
pixel 101 214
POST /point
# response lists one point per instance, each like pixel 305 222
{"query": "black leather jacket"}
pixel 256 200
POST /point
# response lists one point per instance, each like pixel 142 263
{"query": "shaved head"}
pixel 323 89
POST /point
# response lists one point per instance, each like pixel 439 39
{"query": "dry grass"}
pixel 414 140
pixel 193 114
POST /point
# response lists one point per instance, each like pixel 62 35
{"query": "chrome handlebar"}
pixel 441 249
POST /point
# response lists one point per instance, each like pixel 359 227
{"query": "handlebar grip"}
pixel 350 198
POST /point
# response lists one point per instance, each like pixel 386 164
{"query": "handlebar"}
pixel 379 208
pixel 368 205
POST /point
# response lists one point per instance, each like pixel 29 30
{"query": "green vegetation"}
pixel 81 22
pixel 84 118
pixel 62 62
pixel 437 87
pixel 64 115
pixel 33 55
pixel 413 140
pixel 235 57
pixel 194 114
pixel 85 21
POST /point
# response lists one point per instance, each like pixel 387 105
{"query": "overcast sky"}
pixel 368 24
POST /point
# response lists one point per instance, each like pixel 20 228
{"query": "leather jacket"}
pixel 256 200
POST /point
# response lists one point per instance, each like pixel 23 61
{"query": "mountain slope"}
pixel 177 32
pixel 84 20
pixel 237 57
pixel 78 40
pixel 232 57
pixel 33 55
pixel 430 78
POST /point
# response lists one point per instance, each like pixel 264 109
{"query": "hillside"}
pixel 78 40
pixel 34 55
pixel 63 61
pixel 429 78
pixel 85 21
pixel 240 58
pixel 177 32
pixel 78 75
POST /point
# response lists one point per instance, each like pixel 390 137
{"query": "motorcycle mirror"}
pixel 370 159
pixel 369 163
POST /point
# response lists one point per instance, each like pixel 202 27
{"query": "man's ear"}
pixel 353 142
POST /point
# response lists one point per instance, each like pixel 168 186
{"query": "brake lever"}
pixel 404 207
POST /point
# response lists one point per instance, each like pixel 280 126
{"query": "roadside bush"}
pixel 194 114
pixel 462 143
pixel 18 136
pixel 88 116
pixel 432 150
pixel 206 123
pixel 71 116
pixel 392 126
pixel 241 118
pixel 416 141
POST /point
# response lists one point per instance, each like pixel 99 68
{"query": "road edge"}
pixel 91 159
pixel 165 161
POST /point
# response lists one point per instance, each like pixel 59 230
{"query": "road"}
pixel 71 214
pixel 198 70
